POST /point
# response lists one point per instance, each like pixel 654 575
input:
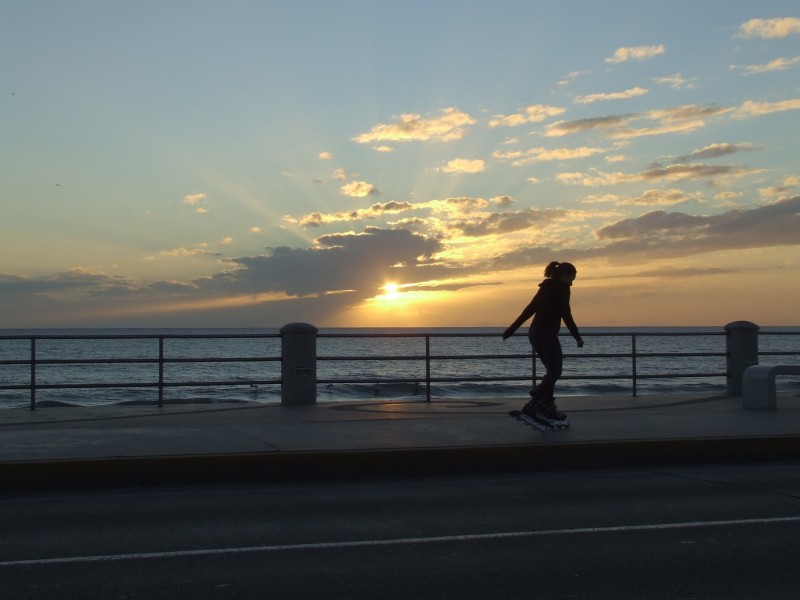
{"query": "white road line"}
pixel 392 542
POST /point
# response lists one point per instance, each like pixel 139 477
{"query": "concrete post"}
pixel 298 364
pixel 742 349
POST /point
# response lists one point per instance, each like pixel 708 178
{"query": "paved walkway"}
pixel 135 445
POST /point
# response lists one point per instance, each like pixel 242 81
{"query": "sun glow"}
pixel 391 291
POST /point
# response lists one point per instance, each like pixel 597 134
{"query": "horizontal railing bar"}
pixel 517 378
pixel 214 383
pixel 53 386
pixel 372 357
pixel 215 360
pixel 71 386
pixel 518 356
pixel 678 375
pixel 135 361
pixel 762 332
pixel 142 336
pixel 475 334
pixel 111 361
pixel 94 361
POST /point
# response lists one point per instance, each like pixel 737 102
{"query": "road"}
pixel 727 532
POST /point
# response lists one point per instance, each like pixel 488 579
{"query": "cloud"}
pixel 532 114
pixel 660 234
pixel 451 125
pixel 679 119
pixel 769 28
pixel 656 197
pixel 359 189
pixel 677 81
pixel 659 197
pixel 506 222
pixel 355 262
pixel 635 53
pixel 569 78
pixel 715 151
pixel 464 165
pixel 317 219
pixel 74 284
pixel 629 93
pixel 341 270
pixel 676 172
pixel 196 201
pixel 450 206
pixel 455 205
pixel 663 233
pixel 780 191
pixel 679 273
pixel 778 64
pixel 750 108
pixel 521 158
pixel 693 172
pixel 325 155
pixel 502 201
pixel 184 252
pixel 727 196
pixel 686 112
pixel 562 128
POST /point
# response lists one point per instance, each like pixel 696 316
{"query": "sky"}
pixel 384 164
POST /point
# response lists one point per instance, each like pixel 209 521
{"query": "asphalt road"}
pixel 727 532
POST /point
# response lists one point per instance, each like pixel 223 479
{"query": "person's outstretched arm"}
pixel 526 314
pixel 566 316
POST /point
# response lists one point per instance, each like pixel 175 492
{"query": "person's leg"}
pixel 546 345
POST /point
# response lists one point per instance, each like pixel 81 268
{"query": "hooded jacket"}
pixel 551 305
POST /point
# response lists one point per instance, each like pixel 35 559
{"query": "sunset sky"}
pixel 417 163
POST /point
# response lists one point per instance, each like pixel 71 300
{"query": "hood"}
pixel 549 282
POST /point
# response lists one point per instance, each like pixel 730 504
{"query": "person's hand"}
pixel 580 342
pixel 507 334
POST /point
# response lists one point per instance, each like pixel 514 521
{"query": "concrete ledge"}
pixel 758 385
pixel 285 467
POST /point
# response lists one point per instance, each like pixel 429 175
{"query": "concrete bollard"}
pixel 742 348
pixel 298 364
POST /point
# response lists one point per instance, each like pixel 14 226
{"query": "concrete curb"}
pixel 287 467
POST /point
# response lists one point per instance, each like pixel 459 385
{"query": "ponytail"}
pixel 556 269
pixel 551 269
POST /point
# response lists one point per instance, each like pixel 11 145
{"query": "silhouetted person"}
pixel 548 308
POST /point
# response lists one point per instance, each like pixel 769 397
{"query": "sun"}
pixel 391 291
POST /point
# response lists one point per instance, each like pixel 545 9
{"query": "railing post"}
pixel 33 373
pixel 298 364
pixel 161 371
pixel 633 362
pixel 742 349
pixel 427 368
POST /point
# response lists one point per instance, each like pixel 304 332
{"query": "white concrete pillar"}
pixel 742 349
pixel 298 364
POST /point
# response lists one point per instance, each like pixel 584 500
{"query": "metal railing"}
pixel 427 375
pixel 161 360
pixel 633 356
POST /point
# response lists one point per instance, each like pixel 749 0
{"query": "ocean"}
pixel 465 363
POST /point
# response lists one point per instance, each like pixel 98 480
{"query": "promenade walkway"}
pixel 58 447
